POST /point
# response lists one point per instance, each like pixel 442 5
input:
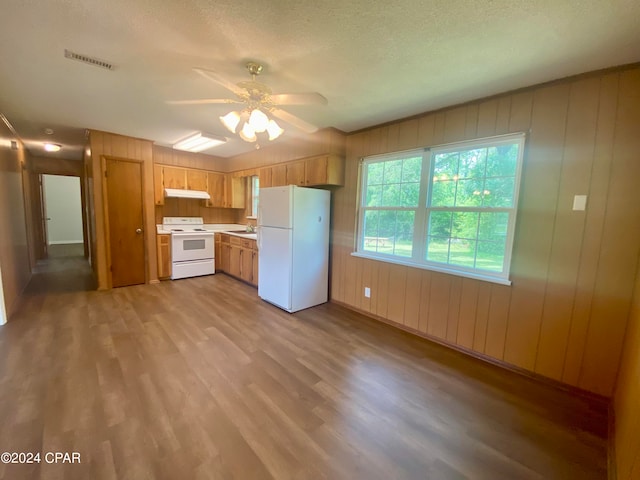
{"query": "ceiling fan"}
pixel 257 102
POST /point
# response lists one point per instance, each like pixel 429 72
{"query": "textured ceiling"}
pixel 374 61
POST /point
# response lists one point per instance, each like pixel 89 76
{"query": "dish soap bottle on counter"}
pixel 250 228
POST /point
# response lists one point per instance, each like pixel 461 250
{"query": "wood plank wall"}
pixel 118 146
pixel 14 252
pixel 627 398
pixel 565 315
pixel 180 207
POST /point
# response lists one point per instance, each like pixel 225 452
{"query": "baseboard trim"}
pixel 599 400
pixel 65 242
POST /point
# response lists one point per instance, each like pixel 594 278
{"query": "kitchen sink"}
pixel 241 232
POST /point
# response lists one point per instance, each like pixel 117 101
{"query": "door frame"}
pixel 105 209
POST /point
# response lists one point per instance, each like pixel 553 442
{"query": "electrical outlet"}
pixel 367 292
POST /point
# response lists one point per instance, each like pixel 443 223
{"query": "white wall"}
pixel 64 208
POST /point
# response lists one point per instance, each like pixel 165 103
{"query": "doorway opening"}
pixel 62 215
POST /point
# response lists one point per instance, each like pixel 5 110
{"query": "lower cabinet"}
pixel 163 247
pixel 238 257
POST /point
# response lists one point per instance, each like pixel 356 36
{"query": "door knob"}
pixel 138 231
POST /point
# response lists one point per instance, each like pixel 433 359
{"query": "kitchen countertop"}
pixel 227 228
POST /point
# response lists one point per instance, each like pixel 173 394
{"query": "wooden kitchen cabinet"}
pixel 163 247
pixel 216 185
pixel 235 261
pixel 324 170
pixel 222 261
pixel 158 185
pixel 174 177
pixel 296 173
pixel 243 259
pixel 278 175
pixel 234 191
pixel 254 267
pixel 265 175
pixel 196 180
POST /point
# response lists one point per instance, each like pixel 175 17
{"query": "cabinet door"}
pixel 279 175
pixel 325 170
pixel 234 261
pixel 225 257
pixel 158 187
pixel 197 180
pixel 246 265
pixel 174 177
pixel 235 191
pixel 217 249
pixel 296 173
pixel 163 244
pixel 216 189
pixel 265 177
pixel 254 276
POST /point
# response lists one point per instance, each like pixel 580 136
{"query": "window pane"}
pixel 412 169
pixel 465 225
pixel 374 196
pixel 410 194
pixel 490 256
pixel 443 193
pixel 502 160
pixel 440 224
pixel 391 195
pixel 473 163
pixel 375 173
pixel 371 219
pixel 469 193
pixel 445 165
pixel 493 226
pixel 462 252
pixel 403 244
pixel 438 249
pixel 393 171
pixel 498 192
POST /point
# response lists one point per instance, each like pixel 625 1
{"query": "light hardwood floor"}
pixel 198 379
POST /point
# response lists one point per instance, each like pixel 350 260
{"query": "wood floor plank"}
pixel 199 378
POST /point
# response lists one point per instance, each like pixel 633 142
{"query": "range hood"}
pixel 178 193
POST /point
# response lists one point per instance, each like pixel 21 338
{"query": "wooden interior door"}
pixel 125 219
pixel 42 247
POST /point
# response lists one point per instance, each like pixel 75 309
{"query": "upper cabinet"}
pixel 309 172
pixel 174 177
pixel 158 187
pixel 196 180
pixel 216 189
pixel 235 191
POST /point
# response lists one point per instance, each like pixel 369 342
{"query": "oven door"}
pixel 189 246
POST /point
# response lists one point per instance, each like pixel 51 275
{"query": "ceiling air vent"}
pixel 84 58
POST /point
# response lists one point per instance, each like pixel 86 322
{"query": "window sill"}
pixel 397 261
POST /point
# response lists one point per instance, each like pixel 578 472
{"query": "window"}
pixel 450 208
pixel 255 189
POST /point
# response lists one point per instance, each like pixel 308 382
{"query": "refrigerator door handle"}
pixel 258 238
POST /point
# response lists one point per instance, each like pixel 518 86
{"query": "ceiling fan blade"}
pixel 295 121
pixel 203 101
pixel 311 98
pixel 212 76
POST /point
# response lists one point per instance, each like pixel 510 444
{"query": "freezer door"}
pixel 274 266
pixel 275 208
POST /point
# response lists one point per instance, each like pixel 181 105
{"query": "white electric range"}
pixel 192 247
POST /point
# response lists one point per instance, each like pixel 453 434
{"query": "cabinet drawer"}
pixel 224 238
pixel 246 243
pixel 235 240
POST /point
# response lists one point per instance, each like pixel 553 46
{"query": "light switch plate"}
pixel 580 202
pixel 367 292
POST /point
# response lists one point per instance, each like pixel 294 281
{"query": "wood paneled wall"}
pixel 181 207
pixel 286 148
pixel 118 146
pixel 14 244
pixel 627 398
pixel 565 314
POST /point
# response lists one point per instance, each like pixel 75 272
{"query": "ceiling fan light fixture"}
pixel 274 130
pixel 199 142
pixel 248 134
pixel 231 121
pixel 258 120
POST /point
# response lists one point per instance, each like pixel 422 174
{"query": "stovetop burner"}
pixel 177 230
pixel 199 230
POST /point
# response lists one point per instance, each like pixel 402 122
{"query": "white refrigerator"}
pixel 293 246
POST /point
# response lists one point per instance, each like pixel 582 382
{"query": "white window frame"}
pixel 254 187
pixel 420 233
